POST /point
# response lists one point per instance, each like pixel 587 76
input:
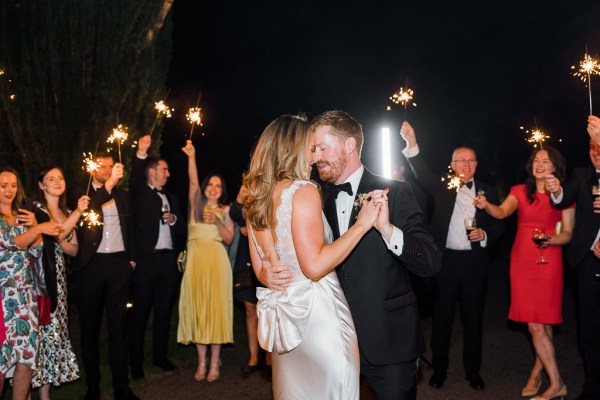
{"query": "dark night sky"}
pixel 479 70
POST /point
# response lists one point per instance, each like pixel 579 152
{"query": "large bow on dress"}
pixel 283 316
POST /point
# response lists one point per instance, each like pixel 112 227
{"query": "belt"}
pixel 160 252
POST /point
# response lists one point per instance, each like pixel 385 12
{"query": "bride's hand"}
pixel 274 277
pixel 368 212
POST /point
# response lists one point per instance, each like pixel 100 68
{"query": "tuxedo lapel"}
pixel 330 212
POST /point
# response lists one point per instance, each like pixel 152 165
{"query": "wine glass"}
pixel 540 238
pixel 470 224
pixel 165 210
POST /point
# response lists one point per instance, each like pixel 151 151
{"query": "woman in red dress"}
pixel 536 288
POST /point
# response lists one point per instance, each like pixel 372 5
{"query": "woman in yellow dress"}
pixel 206 300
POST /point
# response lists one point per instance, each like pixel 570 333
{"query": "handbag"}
pixel 44 306
pixel 243 279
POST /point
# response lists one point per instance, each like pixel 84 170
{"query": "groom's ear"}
pixel 350 145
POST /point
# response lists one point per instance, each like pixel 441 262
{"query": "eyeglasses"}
pixel 463 161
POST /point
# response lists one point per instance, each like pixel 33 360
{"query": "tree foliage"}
pixel 75 69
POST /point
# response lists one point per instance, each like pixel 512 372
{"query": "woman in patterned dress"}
pixel 56 360
pixel 20 242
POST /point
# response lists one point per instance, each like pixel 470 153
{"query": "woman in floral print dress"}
pixel 56 361
pixel 20 243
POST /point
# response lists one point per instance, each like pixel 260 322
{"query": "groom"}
pixel 375 276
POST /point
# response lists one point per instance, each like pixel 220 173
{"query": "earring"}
pixel 45 187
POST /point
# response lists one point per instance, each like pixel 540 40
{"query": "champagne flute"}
pixel 165 209
pixel 540 238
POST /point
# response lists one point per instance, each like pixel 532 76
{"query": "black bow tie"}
pixel 597 175
pixel 468 184
pixel 159 191
pixel 336 189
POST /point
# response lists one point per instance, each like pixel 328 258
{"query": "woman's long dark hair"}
pixel 16 204
pixel 557 160
pixel 222 200
pixel 39 192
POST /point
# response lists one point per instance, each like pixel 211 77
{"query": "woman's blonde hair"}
pixel 281 153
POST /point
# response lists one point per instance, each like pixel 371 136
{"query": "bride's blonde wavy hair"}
pixel 280 153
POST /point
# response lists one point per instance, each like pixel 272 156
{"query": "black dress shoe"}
pixel 476 382
pixel 437 379
pixel 166 365
pixel 248 370
pixel 125 394
pixel 93 393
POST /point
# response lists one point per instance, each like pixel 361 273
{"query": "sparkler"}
pixel 194 115
pixel 161 109
pixel 119 135
pixel 536 136
pixel 455 182
pixel 587 67
pixel 403 97
pixel 90 166
pixel 91 218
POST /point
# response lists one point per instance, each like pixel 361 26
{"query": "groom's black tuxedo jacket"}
pixel 579 190
pixel 376 282
pixel 444 200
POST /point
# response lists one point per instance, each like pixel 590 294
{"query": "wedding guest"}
pixel 584 254
pixel 159 231
pixel 56 361
pixel 104 267
pixel 462 280
pixel 244 291
pixel 20 243
pixel 536 289
pixel 206 299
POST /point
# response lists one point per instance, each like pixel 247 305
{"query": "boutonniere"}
pixel 360 199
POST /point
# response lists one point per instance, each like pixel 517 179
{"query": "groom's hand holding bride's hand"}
pixel 382 223
pixel 274 277
pixel 371 208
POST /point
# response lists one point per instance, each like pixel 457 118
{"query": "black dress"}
pixel 242 258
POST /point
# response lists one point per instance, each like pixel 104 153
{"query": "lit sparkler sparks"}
pixel 587 67
pixel 455 182
pixel 119 135
pixel 164 109
pixel 161 109
pixel 403 97
pixel 536 136
pixel 91 218
pixel 194 115
pixel 89 164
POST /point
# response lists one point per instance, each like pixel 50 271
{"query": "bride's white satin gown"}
pixel 308 328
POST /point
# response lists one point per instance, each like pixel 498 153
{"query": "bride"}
pixel 308 326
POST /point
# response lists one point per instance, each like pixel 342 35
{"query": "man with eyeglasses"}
pixel 463 278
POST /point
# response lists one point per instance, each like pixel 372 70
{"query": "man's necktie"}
pixel 597 175
pixel 159 191
pixel 336 189
pixel 468 184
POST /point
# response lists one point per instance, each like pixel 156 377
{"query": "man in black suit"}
pixel 465 266
pixel 375 277
pixel 104 266
pixel 584 255
pixel 159 230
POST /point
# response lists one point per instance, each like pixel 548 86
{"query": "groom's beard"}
pixel 330 171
